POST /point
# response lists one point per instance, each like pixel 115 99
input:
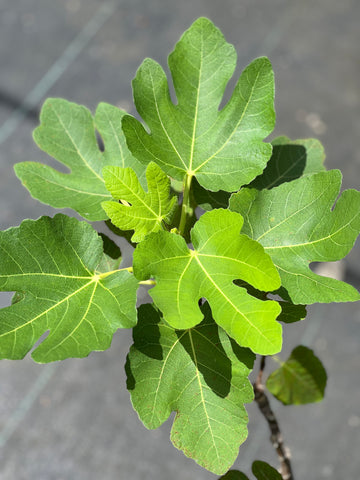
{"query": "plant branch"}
pixel 185 207
pixel 276 436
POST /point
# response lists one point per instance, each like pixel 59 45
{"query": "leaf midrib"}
pixel 49 309
pixel 313 242
pixel 96 279
pixel 147 196
pixel 202 395
pixel 231 303
pixel 235 128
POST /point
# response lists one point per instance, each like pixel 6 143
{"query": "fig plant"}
pixel 224 224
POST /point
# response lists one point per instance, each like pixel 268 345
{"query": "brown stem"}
pixel 276 437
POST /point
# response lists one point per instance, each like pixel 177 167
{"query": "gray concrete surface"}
pixel 73 420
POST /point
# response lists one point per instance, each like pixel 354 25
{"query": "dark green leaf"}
pixel 291 313
pixel 290 160
pixel 234 475
pixel 199 373
pixel 263 471
pixel 112 255
pixel 301 379
pixel 208 200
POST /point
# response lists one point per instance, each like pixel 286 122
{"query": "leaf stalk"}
pixel 185 207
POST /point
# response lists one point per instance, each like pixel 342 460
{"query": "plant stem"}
pixel 185 207
pixel 147 282
pixel 106 274
pixel 276 436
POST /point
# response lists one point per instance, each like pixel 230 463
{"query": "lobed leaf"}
pixel 222 149
pixel 221 256
pixel 67 132
pixel 299 380
pixel 143 212
pixel 199 373
pixel 297 224
pixel 289 160
pixel 57 266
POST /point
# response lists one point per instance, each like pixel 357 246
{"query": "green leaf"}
pixel 222 149
pixel 234 475
pixel 290 160
pixel 126 234
pixel 208 200
pixel 144 212
pixel 297 224
pixel 221 255
pixel 263 471
pixel 291 313
pixel 53 263
pixel 201 375
pixel 299 380
pixel 112 255
pixel 67 132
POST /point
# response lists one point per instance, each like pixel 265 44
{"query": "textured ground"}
pixel 73 420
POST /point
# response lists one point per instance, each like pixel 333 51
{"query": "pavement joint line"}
pixel 27 402
pixel 58 68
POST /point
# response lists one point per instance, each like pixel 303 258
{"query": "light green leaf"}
pixel 53 264
pixel 143 212
pixel 199 373
pixel 67 132
pixel 290 160
pixel 264 471
pixel 221 255
pixel 297 224
pixel 223 149
pixel 299 380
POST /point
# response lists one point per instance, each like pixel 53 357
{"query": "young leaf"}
pixel 53 262
pixel 290 160
pixel 199 373
pixel 221 255
pixel 296 225
pixel 299 380
pixel 67 132
pixel 147 210
pixel 222 149
pixel 264 471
